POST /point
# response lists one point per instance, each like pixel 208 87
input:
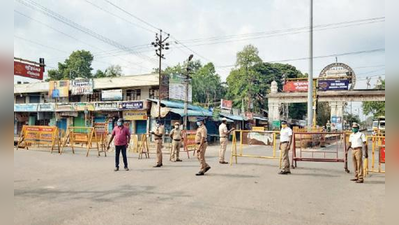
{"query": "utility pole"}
pixel 310 77
pixel 187 82
pixel 160 45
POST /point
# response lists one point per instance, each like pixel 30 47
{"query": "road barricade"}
pixel 40 136
pixel 254 138
pixel 84 136
pixel 377 155
pixel 319 147
pixel 189 142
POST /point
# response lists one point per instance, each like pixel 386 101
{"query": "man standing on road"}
pixel 158 134
pixel 285 145
pixel 122 139
pixel 356 142
pixel 176 137
pixel 201 141
pixel 223 134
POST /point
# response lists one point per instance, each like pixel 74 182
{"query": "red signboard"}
pixel 28 70
pixel 295 86
pixel 226 104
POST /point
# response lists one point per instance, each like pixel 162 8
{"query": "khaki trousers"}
pixel 159 151
pixel 357 158
pixel 285 157
pixel 175 150
pixel 222 150
pixel 201 157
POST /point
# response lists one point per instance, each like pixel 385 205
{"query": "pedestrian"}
pixel 176 137
pixel 201 141
pixel 356 142
pixel 285 146
pixel 122 139
pixel 158 136
pixel 223 134
pixel 328 126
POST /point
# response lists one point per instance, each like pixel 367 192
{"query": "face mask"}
pixel 198 123
pixel 283 126
pixel 119 124
pixel 355 130
pixel 177 127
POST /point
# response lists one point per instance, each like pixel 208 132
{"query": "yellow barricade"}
pixel 251 137
pixel 39 135
pixel 84 136
pixel 377 147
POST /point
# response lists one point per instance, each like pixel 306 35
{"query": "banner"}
pixel 82 87
pixel 333 85
pixel 177 88
pixel 135 115
pixel 109 95
pixel 295 86
pixel 30 107
pixel 81 106
pixel 46 107
pixel 65 107
pixel 106 106
pixel 28 70
pixel 59 89
pixel 131 105
pixel 226 104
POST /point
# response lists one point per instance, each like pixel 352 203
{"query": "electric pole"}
pixel 187 82
pixel 160 45
pixel 310 77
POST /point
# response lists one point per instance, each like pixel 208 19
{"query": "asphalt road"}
pixel 72 189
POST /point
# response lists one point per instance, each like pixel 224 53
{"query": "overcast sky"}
pixel 206 28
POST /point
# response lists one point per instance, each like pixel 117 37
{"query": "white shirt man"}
pixel 223 134
pixel 356 142
pixel 285 145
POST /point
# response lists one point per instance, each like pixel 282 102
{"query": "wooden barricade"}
pixel 82 135
pixel 143 147
pixel 39 135
pixel 189 141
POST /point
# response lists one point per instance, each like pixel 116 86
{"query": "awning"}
pixel 228 120
pixel 232 117
pixel 260 118
pixel 191 112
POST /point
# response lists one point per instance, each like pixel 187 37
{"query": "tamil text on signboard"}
pixel 82 87
pixel 295 86
pixel 131 105
pixel 28 70
pixel 135 115
pixel 333 85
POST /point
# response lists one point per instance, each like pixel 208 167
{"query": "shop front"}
pixel 24 114
pixel 106 112
pixel 135 115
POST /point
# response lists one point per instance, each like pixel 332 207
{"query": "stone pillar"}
pixel 337 109
pixel 274 111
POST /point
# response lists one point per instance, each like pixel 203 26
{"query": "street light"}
pixel 186 93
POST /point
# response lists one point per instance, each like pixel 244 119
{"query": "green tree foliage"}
pixel 322 113
pixel 77 65
pixel 113 71
pixel 375 108
pixel 99 74
pixel 251 80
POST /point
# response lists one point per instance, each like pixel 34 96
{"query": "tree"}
pixel 78 64
pixel 99 74
pixel 375 108
pixel 113 71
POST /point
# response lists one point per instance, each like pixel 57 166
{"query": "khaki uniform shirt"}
pixel 201 133
pixel 176 134
pixel 223 131
pixel 159 131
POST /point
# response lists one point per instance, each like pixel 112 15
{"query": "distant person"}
pixel 201 141
pixel 285 146
pixel 223 134
pixel 176 136
pixel 122 139
pixel 158 134
pixel 328 126
pixel 356 142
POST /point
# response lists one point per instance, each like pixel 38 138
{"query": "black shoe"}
pixel 179 160
pixel 200 173
pixel 116 169
pixel 127 169
pixel 354 179
pixel 206 169
pixel 359 181
pixel 159 165
pixel 224 162
pixel 283 172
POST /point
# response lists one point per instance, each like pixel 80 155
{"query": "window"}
pixel 154 93
pixel 95 97
pixel 20 99
pixel 74 98
pixel 133 94
pixel 34 99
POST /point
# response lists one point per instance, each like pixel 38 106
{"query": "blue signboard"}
pixel 30 107
pixel 131 105
pixel 333 85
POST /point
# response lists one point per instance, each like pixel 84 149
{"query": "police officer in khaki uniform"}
pixel 356 142
pixel 176 136
pixel 158 136
pixel 201 141
pixel 223 134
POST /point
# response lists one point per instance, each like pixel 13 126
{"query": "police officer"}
pixel 176 137
pixel 201 141
pixel 356 142
pixel 158 136
pixel 285 145
pixel 223 134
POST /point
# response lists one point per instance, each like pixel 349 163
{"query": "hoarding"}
pixel 109 95
pixel 135 115
pixel 226 104
pixel 106 106
pixel 82 87
pixel 333 85
pixel 81 106
pixel 131 105
pixel 46 107
pixel 28 70
pixel 295 86
pixel 59 89
pixel 65 107
pixel 177 88
pixel 30 107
